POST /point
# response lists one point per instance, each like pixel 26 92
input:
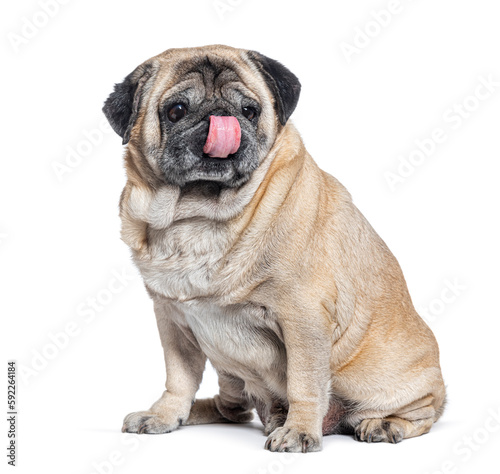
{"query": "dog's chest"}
pixel 239 339
pixel 184 259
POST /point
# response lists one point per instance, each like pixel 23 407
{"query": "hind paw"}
pixel 377 430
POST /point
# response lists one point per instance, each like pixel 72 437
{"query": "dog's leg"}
pixel 184 363
pixel 308 346
pixel 277 417
pixel 230 405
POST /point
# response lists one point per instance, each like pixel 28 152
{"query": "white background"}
pixel 60 244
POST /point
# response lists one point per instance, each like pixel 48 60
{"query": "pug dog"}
pixel 259 261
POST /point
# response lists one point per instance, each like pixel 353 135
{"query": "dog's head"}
pixel 164 109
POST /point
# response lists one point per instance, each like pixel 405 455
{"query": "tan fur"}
pixel 282 284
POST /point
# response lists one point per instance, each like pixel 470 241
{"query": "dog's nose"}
pixel 224 136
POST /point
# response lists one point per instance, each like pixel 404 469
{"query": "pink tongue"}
pixel 224 137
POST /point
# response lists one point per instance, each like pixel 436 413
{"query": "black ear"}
pixel 122 106
pixel 284 85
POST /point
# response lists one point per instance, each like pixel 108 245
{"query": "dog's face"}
pixel 164 107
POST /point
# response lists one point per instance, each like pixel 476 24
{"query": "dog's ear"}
pixel 284 85
pixel 122 106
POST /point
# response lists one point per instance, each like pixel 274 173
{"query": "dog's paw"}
pixel 376 430
pixel 293 440
pixel 149 423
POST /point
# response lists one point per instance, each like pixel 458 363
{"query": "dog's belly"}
pixel 240 341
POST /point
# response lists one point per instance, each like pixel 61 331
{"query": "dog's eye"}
pixel 249 113
pixel 176 112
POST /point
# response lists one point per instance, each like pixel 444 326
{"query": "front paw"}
pixel 293 440
pixel 149 423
